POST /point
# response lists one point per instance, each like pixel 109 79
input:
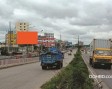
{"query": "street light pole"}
pixel 78 40
pixel 60 40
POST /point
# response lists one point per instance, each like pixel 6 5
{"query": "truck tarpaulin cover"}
pixel 27 38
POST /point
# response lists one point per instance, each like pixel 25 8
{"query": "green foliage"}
pixel 74 76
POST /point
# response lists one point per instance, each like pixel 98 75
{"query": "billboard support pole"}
pixel 9 46
pixel 27 49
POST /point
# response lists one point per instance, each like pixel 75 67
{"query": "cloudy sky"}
pixel 87 18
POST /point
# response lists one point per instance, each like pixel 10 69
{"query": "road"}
pixel 29 76
pixel 107 82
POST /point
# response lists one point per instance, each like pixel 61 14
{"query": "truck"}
pixel 100 53
pixel 51 58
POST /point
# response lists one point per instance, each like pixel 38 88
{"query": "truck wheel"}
pixel 94 65
pixel 59 66
pixel 109 67
pixel 90 61
pixel 44 67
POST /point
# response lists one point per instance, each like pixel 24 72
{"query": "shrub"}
pixel 74 76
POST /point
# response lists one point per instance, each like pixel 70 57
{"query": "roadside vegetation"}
pixel 74 76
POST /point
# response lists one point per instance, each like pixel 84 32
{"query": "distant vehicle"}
pixel 16 53
pixel 69 53
pixel 70 50
pixel 100 53
pixel 52 58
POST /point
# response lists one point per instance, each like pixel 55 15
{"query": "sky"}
pixel 87 19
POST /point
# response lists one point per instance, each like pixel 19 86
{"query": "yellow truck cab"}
pixel 101 54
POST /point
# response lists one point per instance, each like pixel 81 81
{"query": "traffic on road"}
pixel 55 44
pixel 29 76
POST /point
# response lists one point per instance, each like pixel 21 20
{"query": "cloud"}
pixel 86 18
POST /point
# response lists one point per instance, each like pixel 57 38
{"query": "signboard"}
pixel 27 38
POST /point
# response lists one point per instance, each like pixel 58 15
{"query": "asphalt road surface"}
pixel 29 76
pixel 107 82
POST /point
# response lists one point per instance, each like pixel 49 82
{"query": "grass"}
pixel 74 76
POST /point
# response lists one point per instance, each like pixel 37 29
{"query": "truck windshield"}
pixel 103 52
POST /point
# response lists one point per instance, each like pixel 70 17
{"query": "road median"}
pixel 6 63
pixel 74 76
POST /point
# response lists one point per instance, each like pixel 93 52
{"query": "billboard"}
pixel 27 38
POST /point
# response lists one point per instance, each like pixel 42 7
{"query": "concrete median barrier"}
pixel 14 62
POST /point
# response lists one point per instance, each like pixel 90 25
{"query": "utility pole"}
pixel 60 41
pixel 5 41
pixel 42 41
pixel 9 46
pixel 78 41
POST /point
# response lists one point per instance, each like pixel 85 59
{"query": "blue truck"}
pixel 52 58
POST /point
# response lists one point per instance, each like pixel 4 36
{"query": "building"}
pixel 68 43
pixel 47 40
pixel 111 43
pixel 10 38
pixel 10 42
pixel 22 26
pixel 49 35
